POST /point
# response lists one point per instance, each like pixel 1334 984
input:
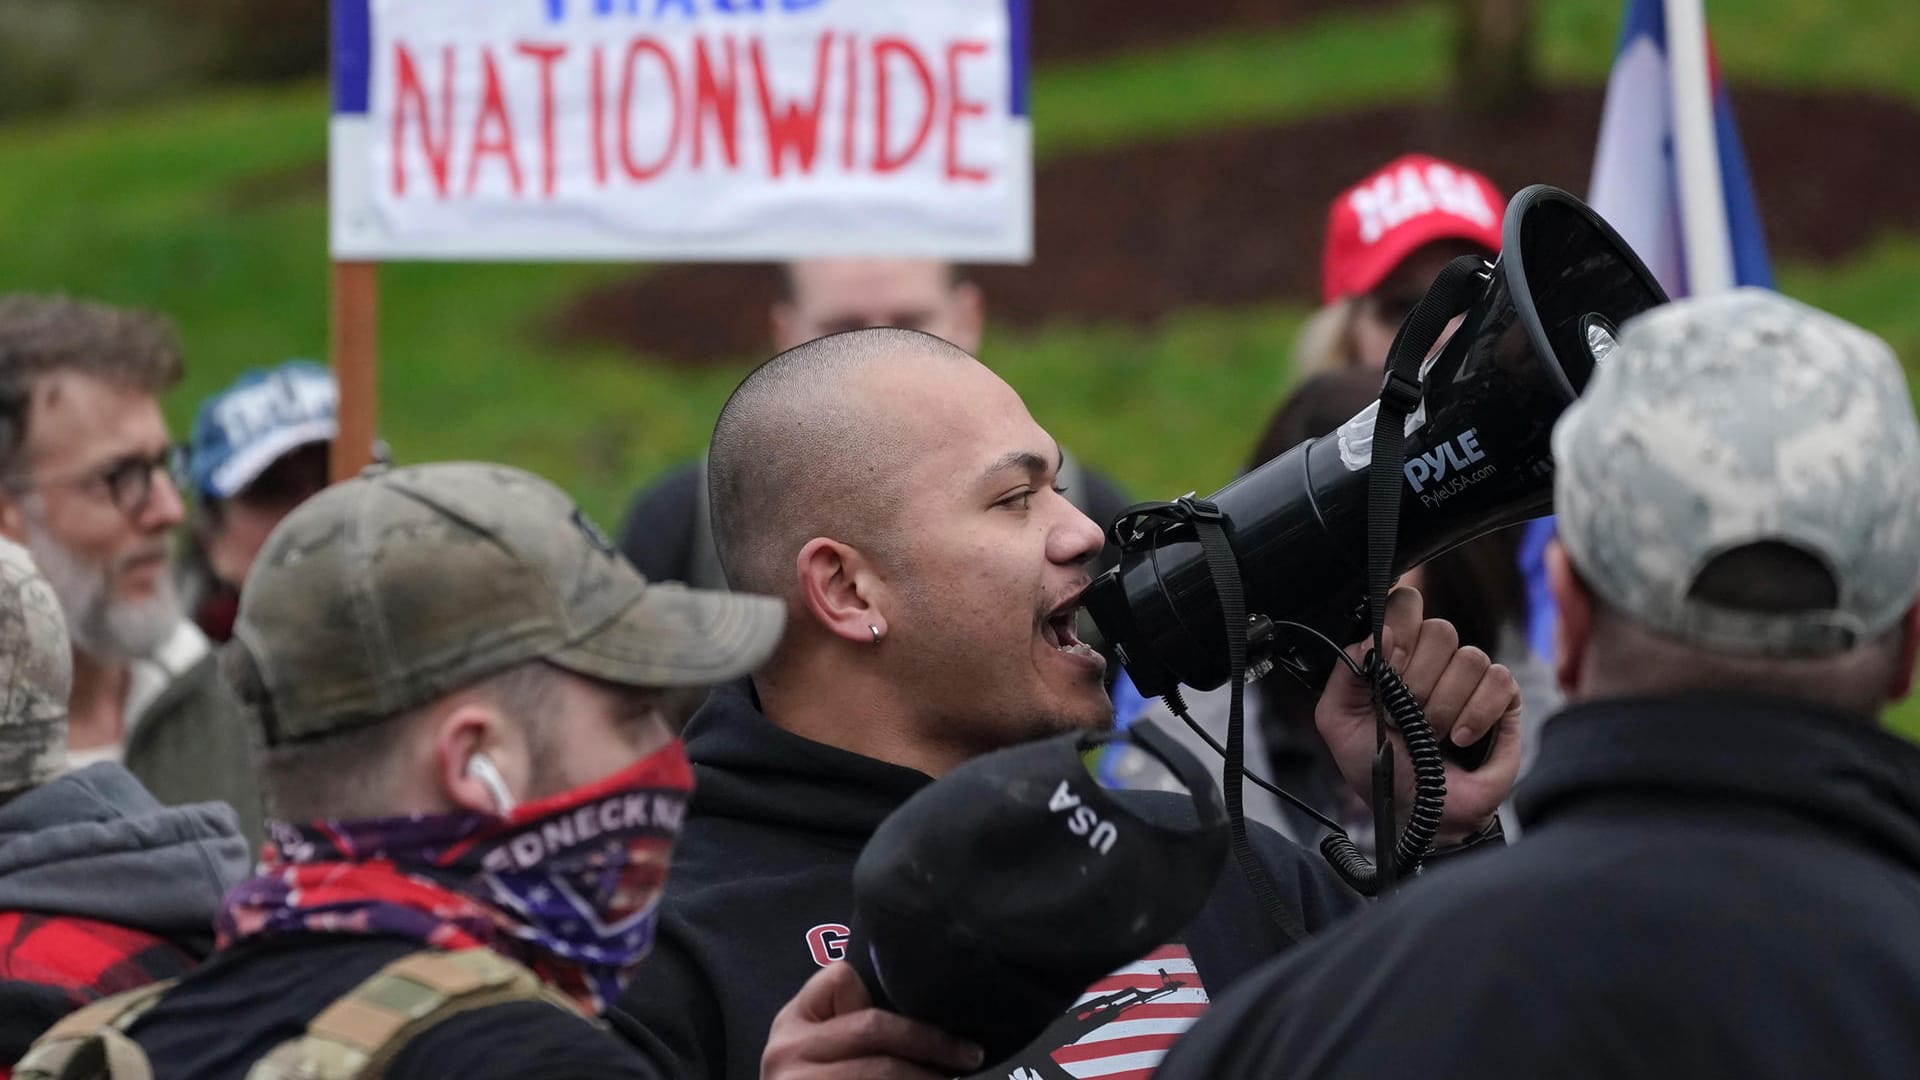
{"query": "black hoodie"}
pixel 1707 886
pixel 760 897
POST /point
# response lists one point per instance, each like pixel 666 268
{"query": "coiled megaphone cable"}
pixel 1451 293
pixel 1429 785
pixel 1423 748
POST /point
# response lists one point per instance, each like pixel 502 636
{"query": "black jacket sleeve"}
pixel 1235 934
pixel 1324 899
pixel 670 1011
pixel 518 1040
pixel 1414 989
pixel 657 533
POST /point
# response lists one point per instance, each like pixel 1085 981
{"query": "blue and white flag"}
pixel 1636 187
pixel 1635 183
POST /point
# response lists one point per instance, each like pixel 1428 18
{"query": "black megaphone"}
pixel 1477 458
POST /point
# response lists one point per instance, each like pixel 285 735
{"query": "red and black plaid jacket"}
pixel 51 965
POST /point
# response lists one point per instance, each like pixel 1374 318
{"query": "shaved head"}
pixel 902 501
pixel 806 447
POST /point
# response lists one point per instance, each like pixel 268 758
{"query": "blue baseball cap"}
pixel 266 414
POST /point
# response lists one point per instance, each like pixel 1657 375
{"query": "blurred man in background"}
pixel 257 449
pixel 668 532
pixel 101 888
pixel 1720 873
pixel 86 483
pixel 473 820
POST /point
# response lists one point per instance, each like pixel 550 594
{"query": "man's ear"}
pixel 1573 619
pixel 468 726
pixel 1902 682
pixel 841 590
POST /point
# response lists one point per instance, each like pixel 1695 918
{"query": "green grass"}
pixel 1827 45
pixel 137 209
pixel 1876 290
pixel 1905 718
pixel 1352 61
pixel 1242 78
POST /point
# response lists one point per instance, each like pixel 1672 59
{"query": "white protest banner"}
pixel 680 129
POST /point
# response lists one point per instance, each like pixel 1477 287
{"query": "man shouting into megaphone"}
pixel 903 504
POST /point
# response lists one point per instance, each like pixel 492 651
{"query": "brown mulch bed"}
pixel 1233 218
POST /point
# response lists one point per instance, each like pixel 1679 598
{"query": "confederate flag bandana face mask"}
pixel 567 885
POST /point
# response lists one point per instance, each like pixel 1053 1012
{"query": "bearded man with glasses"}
pixel 86 483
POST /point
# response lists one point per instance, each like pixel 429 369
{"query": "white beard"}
pixel 100 625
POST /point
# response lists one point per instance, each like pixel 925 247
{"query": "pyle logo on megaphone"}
pixel 1451 457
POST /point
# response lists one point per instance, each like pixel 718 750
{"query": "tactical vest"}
pixel 355 1038
pixel 703 562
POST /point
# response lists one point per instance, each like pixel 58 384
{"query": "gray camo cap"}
pixel 36 674
pixel 1736 419
pixel 398 587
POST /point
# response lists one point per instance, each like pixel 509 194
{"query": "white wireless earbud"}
pixel 482 768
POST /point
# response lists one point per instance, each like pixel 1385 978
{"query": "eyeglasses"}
pixel 128 481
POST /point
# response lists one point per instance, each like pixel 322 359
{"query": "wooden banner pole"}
pixel 355 343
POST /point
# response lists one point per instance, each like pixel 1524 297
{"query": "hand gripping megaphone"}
pixel 1475 457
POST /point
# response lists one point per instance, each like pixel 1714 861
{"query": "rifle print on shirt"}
pixel 1121 1027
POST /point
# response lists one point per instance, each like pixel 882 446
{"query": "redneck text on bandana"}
pixel 567 885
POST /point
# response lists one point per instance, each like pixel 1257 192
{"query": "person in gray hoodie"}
pixel 102 888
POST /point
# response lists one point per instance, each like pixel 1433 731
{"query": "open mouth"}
pixel 1057 630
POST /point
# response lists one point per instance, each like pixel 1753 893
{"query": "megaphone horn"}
pixel 1477 458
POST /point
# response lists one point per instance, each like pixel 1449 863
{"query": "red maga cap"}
pixel 1411 202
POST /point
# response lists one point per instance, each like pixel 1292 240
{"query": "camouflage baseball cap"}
pixel 36 669
pixel 1733 420
pixel 393 589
